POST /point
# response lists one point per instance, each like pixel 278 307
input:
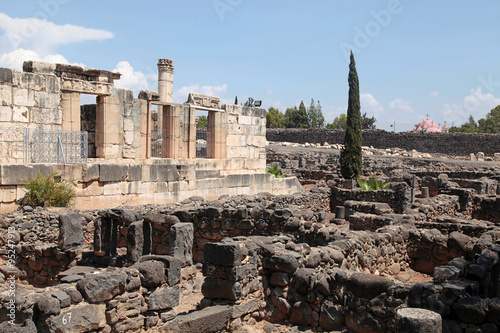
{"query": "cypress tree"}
pixel 350 157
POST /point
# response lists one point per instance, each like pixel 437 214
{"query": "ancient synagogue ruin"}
pixel 173 231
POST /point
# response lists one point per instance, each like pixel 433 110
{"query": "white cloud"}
pixel 16 58
pixel 43 36
pixel 370 105
pixel 400 105
pixel 130 79
pixel 180 95
pixel 477 104
pixel 433 94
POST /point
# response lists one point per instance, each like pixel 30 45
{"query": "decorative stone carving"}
pixel 166 64
pixel 204 100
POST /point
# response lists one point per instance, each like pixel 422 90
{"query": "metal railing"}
pixel 43 146
pixel 158 139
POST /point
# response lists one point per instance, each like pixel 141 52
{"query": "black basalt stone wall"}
pixel 444 143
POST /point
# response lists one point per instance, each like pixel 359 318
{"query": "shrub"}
pixel 48 191
pixel 276 171
pixel 372 184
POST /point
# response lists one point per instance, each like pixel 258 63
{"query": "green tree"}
pixel 368 123
pixel 490 124
pixel 469 127
pixel 202 122
pixel 315 115
pixel 290 116
pixel 274 118
pixel 339 122
pixel 236 100
pixel 351 159
pixel 301 116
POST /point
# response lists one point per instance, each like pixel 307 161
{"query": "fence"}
pixel 158 138
pixel 42 146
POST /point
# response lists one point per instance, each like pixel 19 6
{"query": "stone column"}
pixel 171 123
pixel 146 125
pixel 412 320
pixel 216 135
pixel 71 111
pixel 191 129
pixel 107 127
pixel 166 80
pixel 180 242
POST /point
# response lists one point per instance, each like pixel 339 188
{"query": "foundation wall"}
pixel 153 181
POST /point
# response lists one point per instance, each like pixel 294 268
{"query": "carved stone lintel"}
pixel 166 64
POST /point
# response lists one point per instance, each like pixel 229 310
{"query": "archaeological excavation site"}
pixel 174 229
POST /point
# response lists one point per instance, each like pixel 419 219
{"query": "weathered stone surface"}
pixel 332 315
pixel 135 240
pixel 78 319
pixel 71 231
pixel 48 305
pixel 133 324
pixel 28 326
pixel 113 172
pixel 171 264
pixel 285 263
pixel 64 298
pixel 368 285
pixel 364 323
pixel 302 314
pixel 409 320
pixel 152 273
pixel 164 298
pixel 226 254
pixel 181 242
pixel 471 310
pixel 301 280
pixel 209 320
pixel 102 287
pixel 446 272
pixel 221 289
pixel 279 279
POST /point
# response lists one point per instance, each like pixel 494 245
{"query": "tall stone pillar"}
pixel 107 127
pixel 166 80
pixel 171 123
pixel 71 111
pixel 216 135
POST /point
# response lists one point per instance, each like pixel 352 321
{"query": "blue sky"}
pixel 413 57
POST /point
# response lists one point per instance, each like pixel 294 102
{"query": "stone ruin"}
pixel 422 256
pixel 123 150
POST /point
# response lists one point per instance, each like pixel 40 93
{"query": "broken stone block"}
pixel 226 254
pixel 82 318
pixel 410 320
pixel 71 231
pixel 284 263
pixel 221 289
pixel 172 267
pixel 368 285
pixel 471 310
pixel 135 241
pixel 152 273
pixel 446 272
pixel 164 298
pixel 210 319
pixel 102 287
pixel 181 242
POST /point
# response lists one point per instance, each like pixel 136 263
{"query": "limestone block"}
pixel 13 174
pixel 128 137
pixel 20 114
pixel 245 120
pixel 9 193
pixel 53 85
pixel 167 173
pixel 70 231
pixel 480 157
pixel 90 172
pixel 5 113
pixel 181 242
pixel 46 116
pixel 5 95
pixel 113 172
pixel 43 99
pixel 23 97
pixel 112 188
pixel 496 157
pixel 6 75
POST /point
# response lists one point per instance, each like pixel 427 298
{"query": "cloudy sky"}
pixel 413 57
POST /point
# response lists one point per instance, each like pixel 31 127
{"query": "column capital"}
pixel 166 65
